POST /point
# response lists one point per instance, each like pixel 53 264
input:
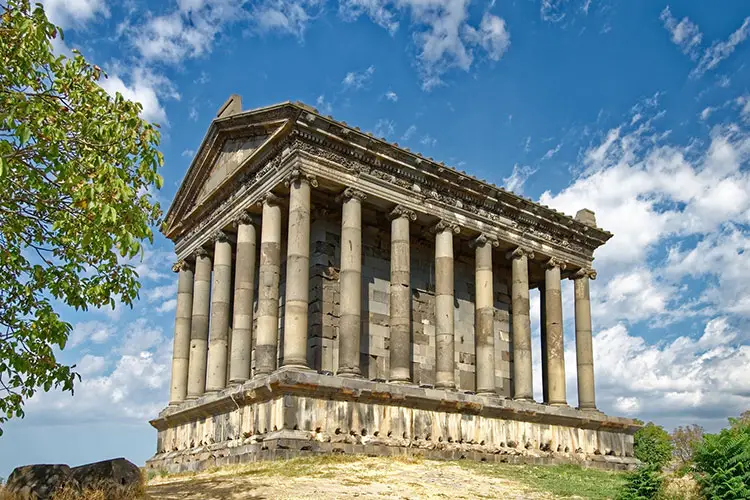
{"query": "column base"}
pixel 488 394
pixel 527 399
pixel 400 381
pixel 238 381
pixel 295 366
pixel 192 397
pixel 446 386
pixel 349 373
pixel 588 408
pixel 558 403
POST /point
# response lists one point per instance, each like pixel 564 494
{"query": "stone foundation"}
pixel 292 412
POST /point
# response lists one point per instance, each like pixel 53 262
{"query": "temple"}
pixel 338 293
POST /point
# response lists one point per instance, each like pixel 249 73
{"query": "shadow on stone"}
pixel 39 481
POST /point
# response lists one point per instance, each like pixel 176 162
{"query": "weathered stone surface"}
pixel 108 474
pixel 39 481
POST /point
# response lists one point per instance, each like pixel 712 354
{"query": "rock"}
pixel 39 481
pixel 107 474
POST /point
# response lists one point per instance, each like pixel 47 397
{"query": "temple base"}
pixel 291 413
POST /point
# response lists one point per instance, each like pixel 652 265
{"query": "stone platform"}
pixel 293 412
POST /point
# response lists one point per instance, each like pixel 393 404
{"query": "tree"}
pixel 76 170
pixel 652 445
pixel 684 440
pixel 722 461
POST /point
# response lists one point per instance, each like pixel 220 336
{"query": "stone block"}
pixel 39 481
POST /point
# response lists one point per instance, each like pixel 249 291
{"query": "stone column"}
pixel 444 327
pixel 199 325
pixel 181 350
pixel 297 269
pixel 350 279
pixel 584 347
pixel 484 315
pixel 400 296
pixel 522 373
pixel 244 289
pixel 555 349
pixel 267 333
pixel 220 302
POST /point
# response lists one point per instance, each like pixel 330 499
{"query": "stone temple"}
pixel 338 293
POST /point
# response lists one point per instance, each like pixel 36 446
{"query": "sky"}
pixel 638 110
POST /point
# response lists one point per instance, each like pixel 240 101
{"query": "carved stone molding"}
pixel 483 239
pixel 584 273
pixel 351 193
pixel 181 265
pixel 244 218
pixel 402 211
pixel 444 225
pixel 519 252
pixel 220 237
pixel 298 175
pixel 554 262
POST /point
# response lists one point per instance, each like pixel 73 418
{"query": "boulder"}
pixel 107 474
pixel 39 481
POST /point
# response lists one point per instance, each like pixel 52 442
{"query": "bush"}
pixel 652 445
pixel 643 484
pixel 722 462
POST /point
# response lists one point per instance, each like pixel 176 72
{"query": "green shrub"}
pixel 643 484
pixel 652 445
pixel 722 462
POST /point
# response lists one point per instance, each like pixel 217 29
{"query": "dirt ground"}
pixel 366 478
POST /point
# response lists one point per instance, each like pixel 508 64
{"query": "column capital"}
pixel 402 211
pixel 519 252
pixel 182 265
pixel 269 199
pixel 200 252
pixel 584 273
pixel 483 239
pixel 297 174
pixel 555 262
pixel 220 237
pixel 351 192
pixel 245 218
pixel 444 225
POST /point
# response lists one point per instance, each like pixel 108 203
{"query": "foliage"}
pixel 722 461
pixel 652 445
pixel 643 484
pixel 684 440
pixel 76 170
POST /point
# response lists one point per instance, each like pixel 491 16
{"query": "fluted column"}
pixel 555 349
pixel 267 332
pixel 244 289
pixel 444 327
pixel 199 325
pixel 484 315
pixel 183 317
pixel 221 297
pixel 584 347
pixel 400 296
pixel 297 269
pixel 350 283
pixel 522 372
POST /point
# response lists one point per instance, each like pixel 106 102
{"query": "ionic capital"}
pixel 350 193
pixel 219 237
pixel 300 175
pixel 269 199
pixel 182 265
pixel 245 218
pixel 589 273
pixel 484 239
pixel 519 252
pixel 554 262
pixel 444 225
pixel 402 211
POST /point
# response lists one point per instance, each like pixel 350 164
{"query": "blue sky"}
pixel 638 110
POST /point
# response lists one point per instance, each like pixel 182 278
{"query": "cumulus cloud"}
pixel 147 88
pixel 67 13
pixel 90 331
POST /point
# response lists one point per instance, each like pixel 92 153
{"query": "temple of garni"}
pixel 341 294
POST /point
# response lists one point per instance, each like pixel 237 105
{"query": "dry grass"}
pixel 102 491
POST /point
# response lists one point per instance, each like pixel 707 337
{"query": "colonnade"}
pixel 204 363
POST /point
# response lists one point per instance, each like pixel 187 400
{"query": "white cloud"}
pixel 553 11
pixel 285 16
pixel 391 96
pixel 193 113
pixel 167 306
pixel 323 105
pixel 188 153
pixel 90 331
pixel 67 13
pixel 706 113
pixel 379 11
pixel 384 128
pixel 492 36
pixel 428 140
pixel 354 80
pixel 685 33
pixel 718 51
pixel 552 152
pixel 518 177
pixel 409 133
pixel 744 103
pixel 90 365
pixel 145 87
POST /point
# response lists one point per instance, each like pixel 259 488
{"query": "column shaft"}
pixel 350 279
pixel 484 317
pixel 523 387
pixel 183 319
pixel 297 272
pixel 584 347
pixel 199 326
pixel 267 333
pixel 543 336
pixel 554 334
pixel 444 312
pixel 220 303
pixel 244 289
pixel 400 296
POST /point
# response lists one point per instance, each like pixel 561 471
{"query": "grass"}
pixel 560 480
pixel 105 491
